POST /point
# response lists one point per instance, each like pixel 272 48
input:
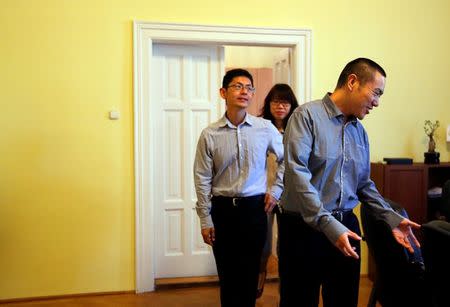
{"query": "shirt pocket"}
pixel 327 150
pixel 225 154
pixel 357 154
pixel 256 150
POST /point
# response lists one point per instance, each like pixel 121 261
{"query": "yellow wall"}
pixel 66 183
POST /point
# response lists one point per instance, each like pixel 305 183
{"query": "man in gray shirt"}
pixel 231 183
pixel 327 174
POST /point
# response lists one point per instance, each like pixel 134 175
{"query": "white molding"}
pixel 145 34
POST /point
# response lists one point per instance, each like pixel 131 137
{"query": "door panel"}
pixel 185 91
pixel 282 67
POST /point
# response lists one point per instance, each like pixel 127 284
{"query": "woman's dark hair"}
pixel 279 91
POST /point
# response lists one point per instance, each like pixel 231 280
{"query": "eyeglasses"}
pixel 284 103
pixel 377 92
pixel 239 86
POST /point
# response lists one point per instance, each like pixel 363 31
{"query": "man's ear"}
pixel 223 93
pixel 352 82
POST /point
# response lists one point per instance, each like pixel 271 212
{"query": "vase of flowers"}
pixel 431 156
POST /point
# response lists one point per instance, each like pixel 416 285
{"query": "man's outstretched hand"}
pixel 343 244
pixel 403 234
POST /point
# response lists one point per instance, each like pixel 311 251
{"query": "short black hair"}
pixel 363 68
pixel 231 74
pixel 279 91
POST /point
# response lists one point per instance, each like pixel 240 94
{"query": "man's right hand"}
pixel 343 244
pixel 209 235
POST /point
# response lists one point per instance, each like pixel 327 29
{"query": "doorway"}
pixel 145 132
pixel 267 65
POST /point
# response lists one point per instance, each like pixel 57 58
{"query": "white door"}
pixel 282 67
pixel 186 93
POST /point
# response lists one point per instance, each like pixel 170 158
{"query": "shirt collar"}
pixel 223 121
pixel 333 111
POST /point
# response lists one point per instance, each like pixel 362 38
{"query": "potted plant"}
pixel 431 157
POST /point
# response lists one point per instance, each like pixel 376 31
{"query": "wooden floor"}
pixel 187 297
pixel 190 294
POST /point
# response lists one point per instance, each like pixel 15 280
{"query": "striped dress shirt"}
pixel 232 161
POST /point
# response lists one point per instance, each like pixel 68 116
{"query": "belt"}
pixel 337 214
pixel 236 200
pixel 340 214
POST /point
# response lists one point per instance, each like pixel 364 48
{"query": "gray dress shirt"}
pixel 232 161
pixel 327 167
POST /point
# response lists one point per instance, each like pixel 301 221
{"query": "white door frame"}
pixel 145 34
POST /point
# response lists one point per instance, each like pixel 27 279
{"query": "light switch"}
pixel 114 115
pixel 448 133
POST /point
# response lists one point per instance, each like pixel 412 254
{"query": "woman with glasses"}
pixel 279 104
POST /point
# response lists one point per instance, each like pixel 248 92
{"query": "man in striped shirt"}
pixel 231 184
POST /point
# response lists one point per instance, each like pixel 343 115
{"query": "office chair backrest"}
pixel 397 271
pixel 436 252
pixel 444 208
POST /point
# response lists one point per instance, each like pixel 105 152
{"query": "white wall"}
pixel 246 56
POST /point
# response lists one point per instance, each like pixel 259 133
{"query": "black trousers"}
pixel 308 260
pixel 241 227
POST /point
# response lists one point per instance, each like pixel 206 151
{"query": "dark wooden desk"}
pixel 408 186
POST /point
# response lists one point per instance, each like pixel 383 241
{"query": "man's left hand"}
pixel 403 234
pixel 270 202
